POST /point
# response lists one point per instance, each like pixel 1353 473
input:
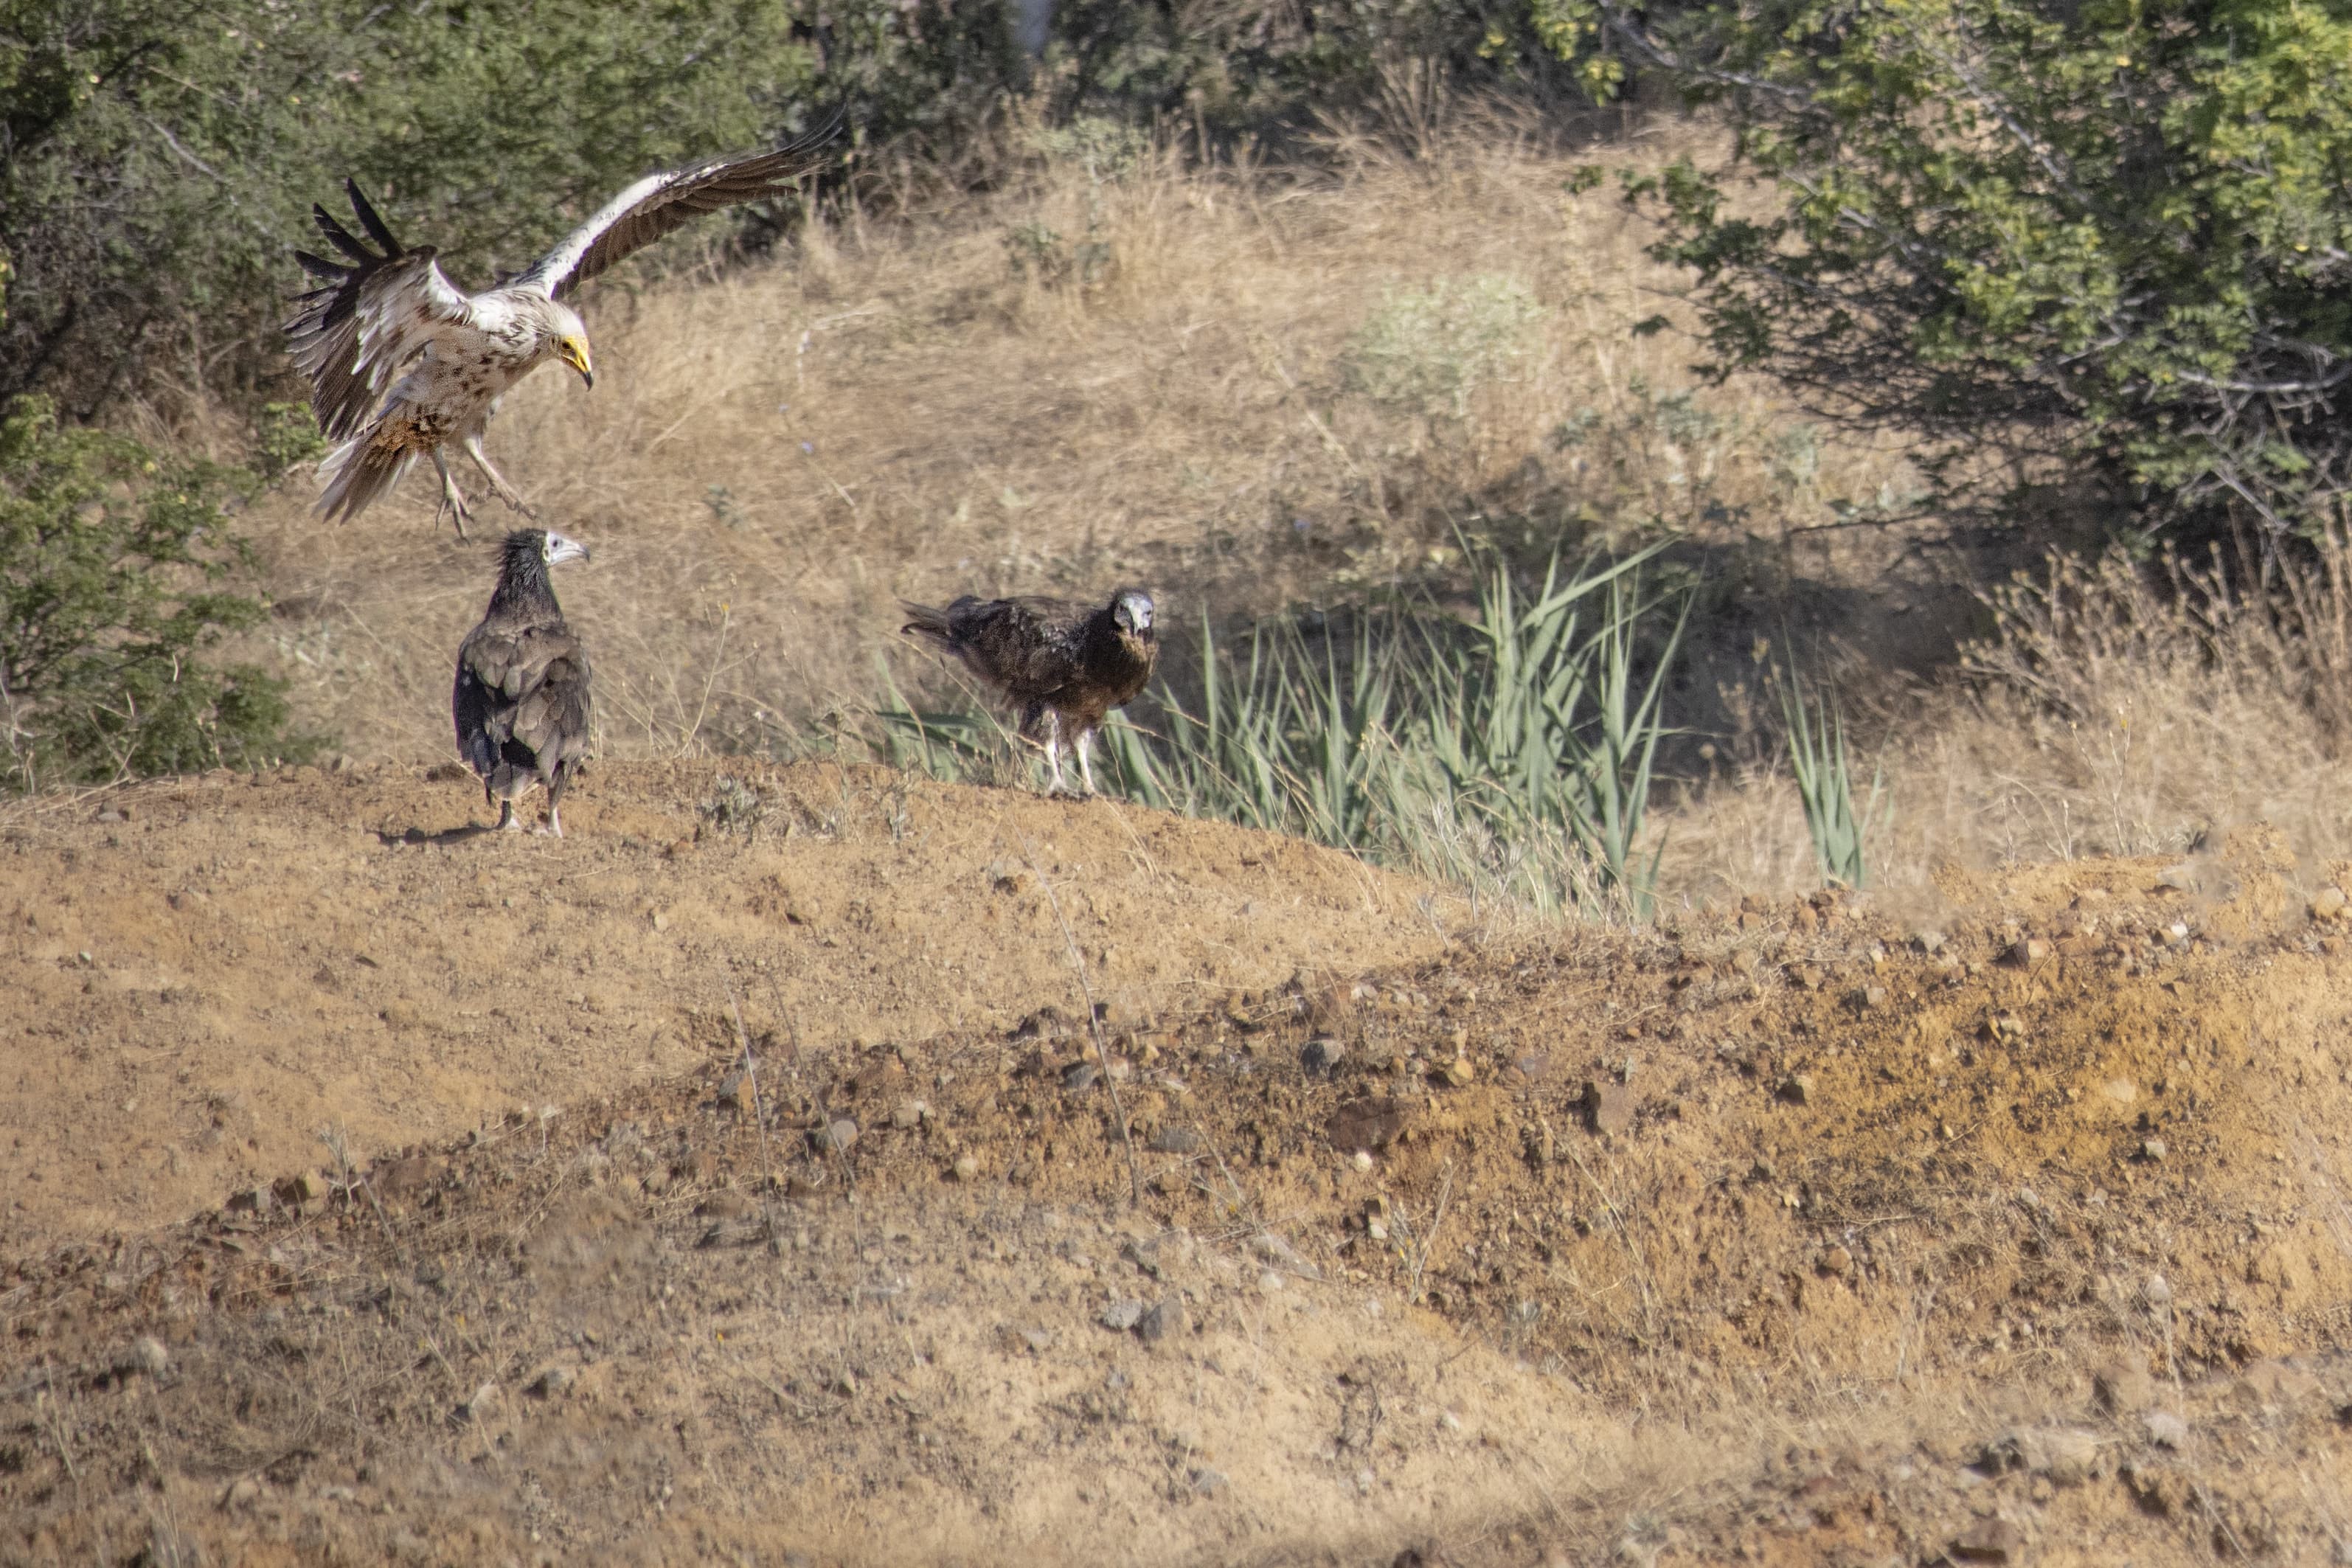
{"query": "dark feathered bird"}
pixel 1064 665
pixel 521 703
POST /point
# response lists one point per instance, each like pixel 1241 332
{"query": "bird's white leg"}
pixel 554 820
pixel 1054 784
pixel 453 499
pixel 508 821
pixel 505 491
pixel 1086 758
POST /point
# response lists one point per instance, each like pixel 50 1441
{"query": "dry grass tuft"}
pixel 1249 390
pixel 1244 389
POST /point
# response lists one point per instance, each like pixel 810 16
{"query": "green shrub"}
pixel 1836 820
pixel 110 561
pixel 2096 254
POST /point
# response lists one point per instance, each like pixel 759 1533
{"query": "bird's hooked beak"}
pixel 560 548
pixel 574 351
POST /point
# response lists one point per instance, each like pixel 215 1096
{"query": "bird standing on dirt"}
pixel 387 313
pixel 522 701
pixel 1064 664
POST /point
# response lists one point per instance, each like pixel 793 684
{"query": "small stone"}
pixel 305 1187
pixel 1038 1340
pixel 1269 1283
pixel 2124 1386
pixel 477 1407
pixel 1121 1316
pixel 1797 1089
pixel 967 1167
pixel 1608 1106
pixel 661 920
pixel 249 1200
pixel 837 1137
pixel 549 1382
pixel 1929 942
pixel 146 1354
pixel 1209 1482
pixel 1874 997
pixel 401 1014
pixel 2328 905
pixel 1994 1539
pixel 908 1113
pixel 2165 1429
pixel 1319 1058
pixel 1079 1076
pixel 1174 1140
pixel 1165 1317
pixel 1458 1073
pixel 2151 1149
pixel 1836 1262
pixel 2028 951
pixel 1361 1161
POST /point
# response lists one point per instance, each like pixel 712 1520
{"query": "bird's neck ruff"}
pixel 522 576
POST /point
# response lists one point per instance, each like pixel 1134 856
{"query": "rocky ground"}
pixel 801 1165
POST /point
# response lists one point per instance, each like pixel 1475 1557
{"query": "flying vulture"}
pixel 522 701
pixel 1063 663
pixel 389 317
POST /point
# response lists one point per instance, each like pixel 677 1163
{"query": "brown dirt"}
pixel 1773 1239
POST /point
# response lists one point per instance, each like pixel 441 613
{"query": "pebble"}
pixel 967 1167
pixel 1165 1317
pixel 1608 1107
pixel 2328 904
pixel 474 1408
pixel 2151 1149
pixel 1361 1161
pixel 837 1138
pixel 1121 1316
pixel 147 1354
pixel 908 1113
pixel 1836 1262
pixel 1174 1141
pixel 1320 1056
pixel 2165 1429
pixel 2029 951
pixel 1797 1089
pixel 1209 1482
pixel 1994 1539
pixel 1459 1072
pixel 549 1382
pixel 1079 1076
pixel 2124 1386
pixel 1269 1283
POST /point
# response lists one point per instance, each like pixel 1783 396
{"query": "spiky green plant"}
pixel 1839 826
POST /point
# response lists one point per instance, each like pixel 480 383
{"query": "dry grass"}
pixel 955 402
pixel 2112 710
pixel 1249 389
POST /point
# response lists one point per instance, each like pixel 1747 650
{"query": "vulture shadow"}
pixel 443 838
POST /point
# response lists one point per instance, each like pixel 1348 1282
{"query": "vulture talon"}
pixel 402 363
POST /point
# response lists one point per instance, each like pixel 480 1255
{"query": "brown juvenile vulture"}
pixel 1064 665
pixel 522 701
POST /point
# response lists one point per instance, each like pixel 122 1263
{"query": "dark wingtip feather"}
pixel 320 267
pixel 369 219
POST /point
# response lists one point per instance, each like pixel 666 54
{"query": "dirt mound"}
pixel 1798 1236
pixel 214 971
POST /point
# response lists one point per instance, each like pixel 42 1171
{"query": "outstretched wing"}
pixel 367 319
pixel 662 203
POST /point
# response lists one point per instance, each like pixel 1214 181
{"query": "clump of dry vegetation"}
pixel 1256 390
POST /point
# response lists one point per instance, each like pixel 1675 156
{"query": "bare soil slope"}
pixel 1799 1236
pixel 209 973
